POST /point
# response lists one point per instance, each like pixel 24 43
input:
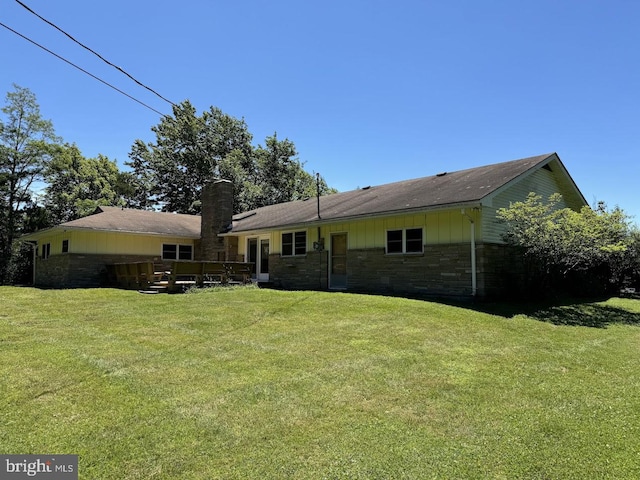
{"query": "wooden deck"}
pixel 181 275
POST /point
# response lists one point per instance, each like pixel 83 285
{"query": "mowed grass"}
pixel 259 384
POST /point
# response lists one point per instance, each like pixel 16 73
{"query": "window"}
pixel 294 243
pixel 394 241
pixel 408 240
pixel 185 252
pixel 171 251
pixel 413 240
pixel 65 246
pixel 46 250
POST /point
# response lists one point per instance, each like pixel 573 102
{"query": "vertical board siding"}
pixel 109 243
pixel 442 227
pixel 542 182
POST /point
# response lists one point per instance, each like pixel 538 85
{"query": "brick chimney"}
pixel 217 212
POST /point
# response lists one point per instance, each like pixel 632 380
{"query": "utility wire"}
pixel 95 53
pixel 81 69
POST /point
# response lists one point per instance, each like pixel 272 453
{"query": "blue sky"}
pixel 369 91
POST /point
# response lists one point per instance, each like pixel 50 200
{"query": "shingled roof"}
pixel 445 189
pixel 116 219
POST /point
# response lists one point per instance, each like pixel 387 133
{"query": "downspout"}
pixel 474 278
pixel 319 243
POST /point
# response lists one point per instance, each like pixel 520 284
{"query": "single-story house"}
pixel 435 235
pixel 75 253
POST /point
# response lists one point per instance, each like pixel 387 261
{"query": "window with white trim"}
pixel 172 251
pixel 405 240
pixel 294 243
pixel 46 250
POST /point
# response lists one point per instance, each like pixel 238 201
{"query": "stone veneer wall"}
pixel 441 270
pixel 501 271
pixel 305 272
pixel 72 270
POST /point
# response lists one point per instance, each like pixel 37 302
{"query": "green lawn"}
pixel 259 384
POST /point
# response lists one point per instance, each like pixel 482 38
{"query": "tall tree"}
pixel 26 143
pixel 281 175
pixel 191 150
pixel 187 154
pixel 77 185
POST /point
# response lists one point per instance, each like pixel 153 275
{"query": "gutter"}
pixel 327 221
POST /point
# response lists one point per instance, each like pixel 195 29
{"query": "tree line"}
pixel 45 181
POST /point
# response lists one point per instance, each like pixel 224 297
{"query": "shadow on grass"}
pixel 570 312
pixel 577 312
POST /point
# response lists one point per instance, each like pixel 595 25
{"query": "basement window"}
pixel 172 251
pixel 294 243
pixel 407 240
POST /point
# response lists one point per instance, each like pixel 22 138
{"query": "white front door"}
pixel 258 254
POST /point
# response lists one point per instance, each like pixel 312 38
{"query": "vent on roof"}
pixel 366 188
pixel 441 174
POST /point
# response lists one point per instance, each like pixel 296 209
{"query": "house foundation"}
pixel 441 270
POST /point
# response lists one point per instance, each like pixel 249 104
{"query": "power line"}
pixel 95 53
pixel 81 69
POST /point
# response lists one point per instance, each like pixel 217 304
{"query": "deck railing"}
pixel 180 275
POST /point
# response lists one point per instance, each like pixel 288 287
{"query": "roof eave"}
pixel 551 157
pixel 62 228
pixel 487 198
pixel 37 234
pixel 573 183
pixel 327 221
